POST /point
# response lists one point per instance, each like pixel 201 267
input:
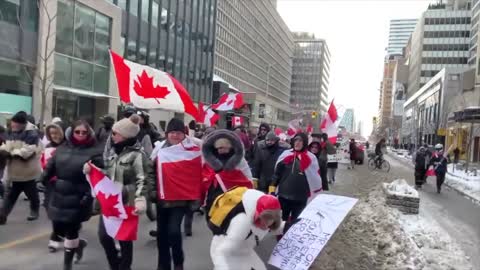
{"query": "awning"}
pixel 217 78
pixel 82 92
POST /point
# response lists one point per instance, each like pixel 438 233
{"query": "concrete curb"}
pixel 449 176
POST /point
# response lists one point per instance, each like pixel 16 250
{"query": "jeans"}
pixel 331 174
pixel 291 210
pixel 124 262
pixel 29 188
pixel 169 236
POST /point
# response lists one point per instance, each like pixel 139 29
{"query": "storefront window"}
pixel 84 32
pixel 82 74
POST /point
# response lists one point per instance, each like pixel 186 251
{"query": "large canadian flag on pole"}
pixel 229 102
pixel 120 221
pixel 206 115
pixel 149 88
pixel 328 124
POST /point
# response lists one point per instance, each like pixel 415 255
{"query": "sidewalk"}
pixel 466 184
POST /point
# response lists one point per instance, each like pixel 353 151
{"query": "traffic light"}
pixel 314 114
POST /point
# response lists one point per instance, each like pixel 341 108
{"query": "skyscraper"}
pixel 311 69
pixel 400 32
pixel 348 120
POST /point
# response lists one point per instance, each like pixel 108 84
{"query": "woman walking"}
pixel 70 199
pixel 128 165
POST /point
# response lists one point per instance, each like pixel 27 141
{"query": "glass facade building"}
pixel 400 32
pixel 176 36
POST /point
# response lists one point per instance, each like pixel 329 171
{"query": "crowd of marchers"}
pixel 245 186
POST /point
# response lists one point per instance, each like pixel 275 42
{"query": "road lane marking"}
pixel 24 240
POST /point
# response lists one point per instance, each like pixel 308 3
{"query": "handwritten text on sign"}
pixel 299 247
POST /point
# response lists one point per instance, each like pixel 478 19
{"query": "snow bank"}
pixel 400 187
pixel 466 183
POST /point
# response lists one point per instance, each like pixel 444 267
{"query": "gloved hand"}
pixel 255 183
pixel 271 190
pixel 140 205
pixel 40 186
pixel 86 168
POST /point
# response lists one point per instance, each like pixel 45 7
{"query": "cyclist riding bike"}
pixel 380 149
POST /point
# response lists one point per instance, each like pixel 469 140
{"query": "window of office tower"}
pixel 27 11
pixel 82 43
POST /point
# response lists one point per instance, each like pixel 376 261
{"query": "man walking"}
pixel 265 160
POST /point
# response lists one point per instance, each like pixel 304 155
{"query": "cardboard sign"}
pixel 302 243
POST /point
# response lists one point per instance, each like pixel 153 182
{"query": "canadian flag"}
pixel 237 121
pixel 179 171
pixel 120 221
pixel 278 131
pixel 294 127
pixel 46 156
pixel 149 88
pixel 206 115
pixel 328 124
pixel 229 102
pixel 309 129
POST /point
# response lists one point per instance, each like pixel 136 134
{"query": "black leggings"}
pixel 124 262
pixel 169 236
pixel 29 188
pixel 69 231
pixel 291 210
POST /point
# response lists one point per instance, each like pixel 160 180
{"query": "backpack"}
pixel 224 208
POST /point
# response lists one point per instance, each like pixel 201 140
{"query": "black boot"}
pixel 33 215
pixel 3 220
pixel 79 250
pixel 68 258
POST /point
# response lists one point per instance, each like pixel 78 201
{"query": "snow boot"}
pixel 3 219
pixel 33 215
pixel 53 246
pixel 68 258
pixel 79 250
pixel 178 267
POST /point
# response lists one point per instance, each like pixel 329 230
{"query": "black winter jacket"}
pixel 70 199
pixel 291 181
pixel 264 164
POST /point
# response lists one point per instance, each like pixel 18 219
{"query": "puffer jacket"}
pixel 23 150
pixel 132 169
pixel 264 164
pixel 70 198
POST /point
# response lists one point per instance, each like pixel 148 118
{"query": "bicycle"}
pixel 382 165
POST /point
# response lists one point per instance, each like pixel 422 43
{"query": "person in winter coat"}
pixel 129 166
pixel 263 129
pixel 104 132
pixel 321 148
pixel 265 161
pixel 439 162
pixel 55 136
pixel 147 136
pixel 70 200
pixel 22 149
pixel 353 153
pixel 224 164
pixel 242 134
pixel 233 248
pixel 296 178
pixel 3 160
pixel 175 196
pixel 420 167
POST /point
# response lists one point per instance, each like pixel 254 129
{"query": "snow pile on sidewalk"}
pixel 402 196
pixel 371 237
pixel 400 187
pixel 467 183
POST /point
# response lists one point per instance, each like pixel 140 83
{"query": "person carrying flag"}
pixel 128 165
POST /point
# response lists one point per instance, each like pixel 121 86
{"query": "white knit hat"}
pixel 128 127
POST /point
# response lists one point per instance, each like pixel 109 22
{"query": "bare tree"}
pixel 43 71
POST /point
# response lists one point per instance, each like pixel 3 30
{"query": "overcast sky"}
pixel 357 35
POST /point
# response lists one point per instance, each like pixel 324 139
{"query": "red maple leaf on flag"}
pixel 108 204
pixel 144 88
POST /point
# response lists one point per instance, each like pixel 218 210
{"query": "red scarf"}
pixel 303 158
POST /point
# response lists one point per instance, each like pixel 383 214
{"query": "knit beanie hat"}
pixel 271 136
pixel 175 125
pixel 20 117
pixel 128 127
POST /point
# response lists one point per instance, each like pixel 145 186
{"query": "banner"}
pixel 302 243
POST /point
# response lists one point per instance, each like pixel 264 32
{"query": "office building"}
pixel 311 69
pixel 400 32
pixel 253 53
pixel 441 39
pixel 175 36
pixel 348 121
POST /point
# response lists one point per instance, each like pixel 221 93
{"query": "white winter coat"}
pixel 235 250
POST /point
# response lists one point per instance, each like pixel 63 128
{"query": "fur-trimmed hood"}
pixel 55 126
pixel 208 150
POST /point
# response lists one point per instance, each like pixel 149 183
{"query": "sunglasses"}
pixel 81 132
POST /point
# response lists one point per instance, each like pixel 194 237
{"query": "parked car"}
pixel 360 154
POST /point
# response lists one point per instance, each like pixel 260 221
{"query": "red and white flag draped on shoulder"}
pixel 120 221
pixel 328 124
pixel 308 164
pixel 179 171
pixel 241 176
pixel 149 88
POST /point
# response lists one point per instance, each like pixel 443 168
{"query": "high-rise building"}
pixel 348 121
pixel 400 32
pixel 311 69
pixel 175 36
pixel 441 39
pixel 253 53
